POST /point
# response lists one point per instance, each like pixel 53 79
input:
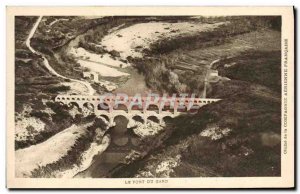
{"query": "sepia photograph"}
pixel 150 97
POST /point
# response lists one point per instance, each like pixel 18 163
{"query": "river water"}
pixel 122 139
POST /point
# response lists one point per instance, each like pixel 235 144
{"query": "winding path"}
pixel 57 20
pixel 90 89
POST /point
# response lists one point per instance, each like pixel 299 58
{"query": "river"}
pixel 136 82
pixel 122 139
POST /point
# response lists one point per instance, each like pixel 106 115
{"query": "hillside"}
pixel 237 136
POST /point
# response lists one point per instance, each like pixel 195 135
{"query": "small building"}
pixel 91 75
pixel 212 73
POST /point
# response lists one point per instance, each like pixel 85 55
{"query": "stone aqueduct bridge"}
pixel 158 110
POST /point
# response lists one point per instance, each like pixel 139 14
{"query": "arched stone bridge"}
pixel 157 110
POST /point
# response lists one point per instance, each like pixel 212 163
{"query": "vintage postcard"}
pixel 150 97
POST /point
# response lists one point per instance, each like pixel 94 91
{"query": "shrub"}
pixel 56 89
pixel 40 115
